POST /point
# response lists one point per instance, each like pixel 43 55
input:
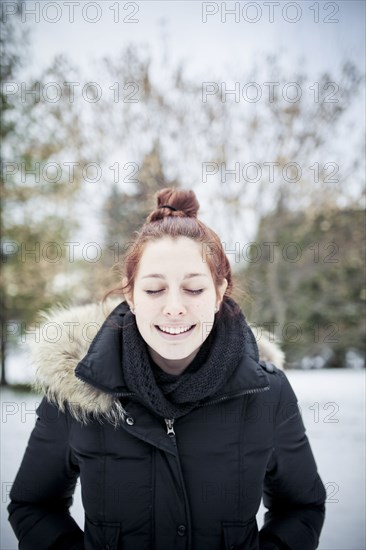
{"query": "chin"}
pixel 174 354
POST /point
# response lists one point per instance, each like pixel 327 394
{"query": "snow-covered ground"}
pixel 333 409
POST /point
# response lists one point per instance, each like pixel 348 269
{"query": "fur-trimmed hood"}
pixel 65 337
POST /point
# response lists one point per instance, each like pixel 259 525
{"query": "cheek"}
pixel 143 304
pixel 146 311
pixel 204 310
pixel 144 317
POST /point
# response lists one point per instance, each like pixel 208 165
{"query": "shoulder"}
pixel 283 394
pixel 65 334
pixel 280 387
pixel 269 367
pixel 269 352
pixel 275 374
pixel 63 338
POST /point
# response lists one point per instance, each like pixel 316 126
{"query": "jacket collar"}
pixel 87 376
pixel 102 365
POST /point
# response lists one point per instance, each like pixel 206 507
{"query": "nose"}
pixel 174 306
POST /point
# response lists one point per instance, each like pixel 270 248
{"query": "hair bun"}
pixel 184 203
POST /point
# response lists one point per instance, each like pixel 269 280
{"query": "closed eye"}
pixel 190 291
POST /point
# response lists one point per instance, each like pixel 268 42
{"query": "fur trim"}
pixel 64 339
pixel 65 336
pixel 269 350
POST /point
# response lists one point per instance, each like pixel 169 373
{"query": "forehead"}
pixel 168 255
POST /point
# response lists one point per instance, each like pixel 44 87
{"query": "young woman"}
pixel 173 423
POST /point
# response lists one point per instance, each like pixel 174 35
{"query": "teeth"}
pixel 177 330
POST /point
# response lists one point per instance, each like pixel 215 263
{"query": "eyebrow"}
pixel 187 276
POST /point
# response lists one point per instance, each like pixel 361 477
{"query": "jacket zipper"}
pixel 214 401
pixel 169 423
pixel 171 433
pixel 111 392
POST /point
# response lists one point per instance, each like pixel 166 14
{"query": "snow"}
pixel 333 409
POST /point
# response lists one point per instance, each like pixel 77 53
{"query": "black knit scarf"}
pixel 172 396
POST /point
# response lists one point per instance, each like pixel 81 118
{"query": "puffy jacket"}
pixel 148 483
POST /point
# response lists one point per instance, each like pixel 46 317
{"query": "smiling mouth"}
pixel 175 331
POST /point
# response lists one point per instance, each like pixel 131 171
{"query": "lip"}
pixel 181 336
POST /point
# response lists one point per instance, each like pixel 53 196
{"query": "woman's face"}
pixel 174 299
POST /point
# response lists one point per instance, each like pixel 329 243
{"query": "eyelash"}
pixel 158 291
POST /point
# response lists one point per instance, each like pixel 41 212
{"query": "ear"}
pixel 127 295
pixel 221 290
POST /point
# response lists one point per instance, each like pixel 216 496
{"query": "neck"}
pixel 172 366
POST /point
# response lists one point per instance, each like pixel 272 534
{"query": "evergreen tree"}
pixel 304 273
pixel 124 212
pixel 39 138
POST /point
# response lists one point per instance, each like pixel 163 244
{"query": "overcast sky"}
pixel 209 39
pixel 200 33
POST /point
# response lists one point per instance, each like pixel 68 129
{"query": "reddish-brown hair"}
pixel 181 222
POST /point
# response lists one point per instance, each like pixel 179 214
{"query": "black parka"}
pixel 149 484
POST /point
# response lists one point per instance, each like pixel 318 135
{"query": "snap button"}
pixel 130 421
pixel 266 365
pixel 269 367
pixel 181 530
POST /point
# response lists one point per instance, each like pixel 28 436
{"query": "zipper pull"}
pixel 169 423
